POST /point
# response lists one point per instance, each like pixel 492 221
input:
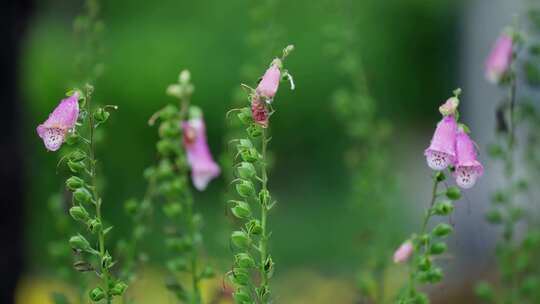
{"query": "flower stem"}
pixel 264 208
pixel 101 236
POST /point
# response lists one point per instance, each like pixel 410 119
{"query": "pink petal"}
pixel 441 152
pixel 269 83
pixel 499 59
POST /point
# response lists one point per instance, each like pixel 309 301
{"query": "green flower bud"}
pixel 250 155
pixel 494 216
pixel 101 115
pixel 241 209
pixel 166 147
pixel 169 129
pixel 240 276
pixel 73 183
pixel 438 248
pixel 77 156
pixel 118 289
pixel 97 294
pixel 434 275
pixel 442 230
pixel 82 196
pixel 76 167
pixel 443 208
pixel 499 197
pixel 169 112
pixel 94 225
pixel 172 209
pixel 78 242
pixel 439 176
pixel 245 188
pixel 245 116
pixel 240 239
pixel 254 227
pixel 453 193
pixel 241 296
pixel 131 206
pixel 72 138
pixel 254 131
pixel 244 260
pixel 106 261
pixel 246 170
pixel 78 213
pixel 264 197
pixel 424 264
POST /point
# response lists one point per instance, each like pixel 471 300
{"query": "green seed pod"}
pixel 442 230
pixel 240 239
pixel 241 296
pixel 76 167
pixel 245 116
pixel 72 138
pixel 443 208
pixel 73 183
pixel 77 156
pixel 453 193
pixel 254 131
pixel 172 209
pixel 241 210
pixel 82 196
pixel 78 242
pixel 254 227
pixel 101 115
pixel 78 213
pixel 118 289
pixel 94 225
pixel 440 176
pixel 424 264
pixel 97 294
pixel 244 260
pixel 245 188
pixel 438 248
pixel 240 276
pixel 250 155
pixel 246 170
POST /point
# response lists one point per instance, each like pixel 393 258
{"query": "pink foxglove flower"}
pixel 203 166
pixel 441 152
pixel 468 168
pixel 499 59
pixel 259 111
pixel 61 121
pixel 269 84
pixel 404 252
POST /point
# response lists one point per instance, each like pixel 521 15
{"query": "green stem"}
pixel 264 208
pixel 101 235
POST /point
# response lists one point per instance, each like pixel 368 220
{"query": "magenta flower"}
pixel 441 151
pixel 468 168
pixel 269 84
pixel 259 111
pixel 203 166
pixel 61 121
pixel 499 59
pixel 404 252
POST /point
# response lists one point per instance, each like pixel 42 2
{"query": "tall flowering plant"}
pixel 70 124
pixel 519 278
pixel 452 151
pixel 183 154
pixel 251 241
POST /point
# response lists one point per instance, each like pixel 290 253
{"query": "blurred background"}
pixel 326 237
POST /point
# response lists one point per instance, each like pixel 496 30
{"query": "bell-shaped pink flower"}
pixel 441 152
pixel 61 121
pixel 404 252
pixel 499 59
pixel 468 168
pixel 259 111
pixel 203 166
pixel 269 84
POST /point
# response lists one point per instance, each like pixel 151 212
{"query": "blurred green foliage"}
pixel 409 54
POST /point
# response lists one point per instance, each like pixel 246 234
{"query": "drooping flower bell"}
pixel 404 252
pixel 269 84
pixel 468 168
pixel 203 166
pixel 441 152
pixel 499 59
pixel 61 121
